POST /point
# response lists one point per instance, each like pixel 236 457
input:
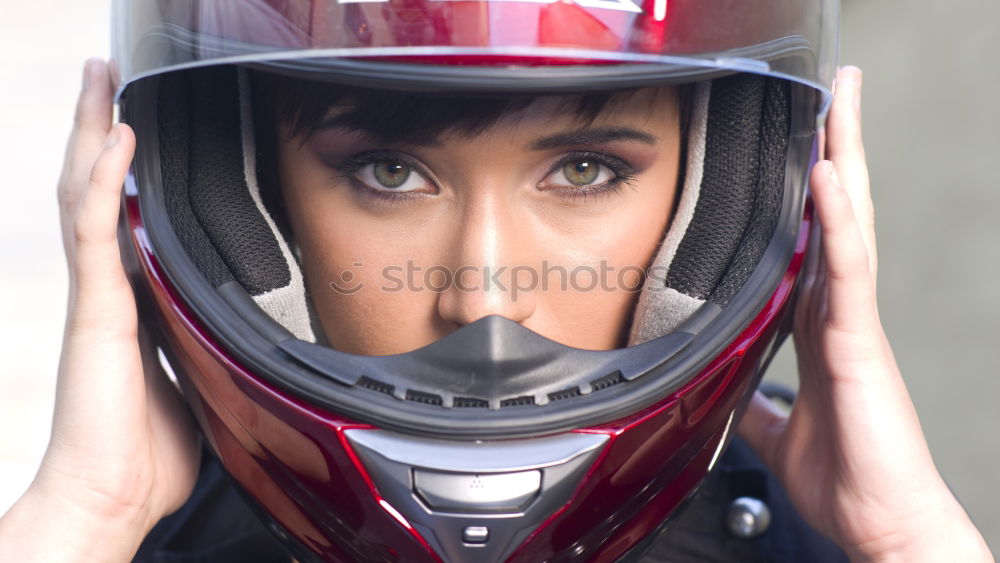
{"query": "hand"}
pixel 851 454
pixel 123 451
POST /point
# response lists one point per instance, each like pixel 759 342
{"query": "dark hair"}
pixel 404 117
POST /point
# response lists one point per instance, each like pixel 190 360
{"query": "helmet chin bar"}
pixel 491 363
pixel 494 363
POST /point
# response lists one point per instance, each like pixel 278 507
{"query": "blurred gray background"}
pixel 932 121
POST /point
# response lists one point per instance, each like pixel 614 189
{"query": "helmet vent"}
pixel 470 402
pixel 518 401
pixel 565 394
pixel 375 385
pixel 609 380
pixel 425 398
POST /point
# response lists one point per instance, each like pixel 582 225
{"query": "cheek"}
pixel 361 284
pixel 604 259
pixel 348 260
pixel 589 304
pixel 628 230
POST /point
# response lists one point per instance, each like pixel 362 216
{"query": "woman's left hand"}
pixel 851 453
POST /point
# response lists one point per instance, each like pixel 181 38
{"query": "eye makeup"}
pixel 610 174
pixel 386 174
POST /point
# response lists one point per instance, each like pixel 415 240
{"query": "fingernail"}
pixel 113 137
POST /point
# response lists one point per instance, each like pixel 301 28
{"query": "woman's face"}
pixel 545 218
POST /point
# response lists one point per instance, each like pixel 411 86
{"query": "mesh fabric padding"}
pixel 735 171
pixel 210 189
pixel 211 192
pixel 174 135
pixel 219 194
pixel 728 188
pixel 770 189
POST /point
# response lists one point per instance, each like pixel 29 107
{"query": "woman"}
pixel 122 455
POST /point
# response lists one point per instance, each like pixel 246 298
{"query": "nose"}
pixel 492 264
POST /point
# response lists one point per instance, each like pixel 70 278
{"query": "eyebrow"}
pixel 593 137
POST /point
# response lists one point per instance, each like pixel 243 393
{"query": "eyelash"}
pixel 624 174
pixel 348 169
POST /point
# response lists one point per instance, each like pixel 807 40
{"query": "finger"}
pixel 850 291
pixel 101 288
pixel 810 269
pixel 90 128
pixel 844 144
pixel 808 291
pixel 845 147
pixel 762 426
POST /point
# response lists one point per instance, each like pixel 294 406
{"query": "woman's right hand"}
pixel 851 454
pixel 123 450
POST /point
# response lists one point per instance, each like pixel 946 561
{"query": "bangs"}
pixel 407 118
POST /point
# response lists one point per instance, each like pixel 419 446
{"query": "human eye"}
pixel 585 173
pixel 387 174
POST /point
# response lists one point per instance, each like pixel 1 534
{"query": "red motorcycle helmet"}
pixel 493 443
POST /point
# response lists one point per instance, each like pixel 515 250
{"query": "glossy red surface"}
pixel 295 461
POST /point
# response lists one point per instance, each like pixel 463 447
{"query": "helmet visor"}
pixel 685 39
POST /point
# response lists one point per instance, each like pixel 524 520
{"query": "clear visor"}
pixel 792 39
